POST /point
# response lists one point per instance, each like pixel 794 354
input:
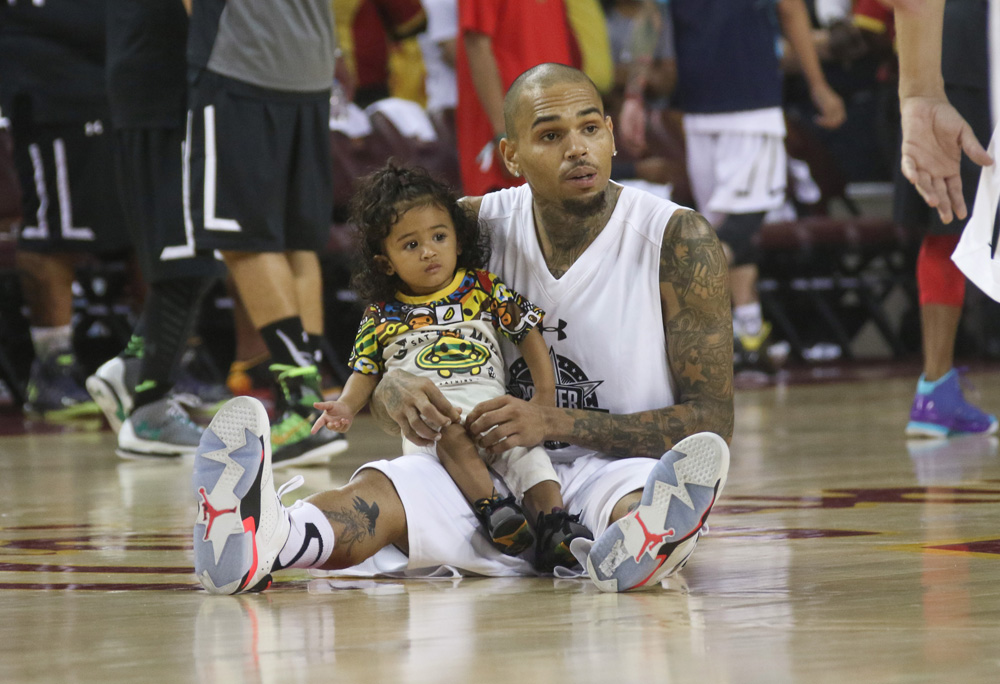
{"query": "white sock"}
pixel 50 341
pixel 748 319
pixel 310 538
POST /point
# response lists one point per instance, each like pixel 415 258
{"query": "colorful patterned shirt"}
pixel 449 336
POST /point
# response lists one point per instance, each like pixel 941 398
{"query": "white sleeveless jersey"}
pixel 603 320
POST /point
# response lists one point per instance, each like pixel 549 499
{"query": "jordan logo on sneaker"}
pixel 208 513
pixel 651 539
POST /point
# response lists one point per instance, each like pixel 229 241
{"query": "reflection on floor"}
pixel 839 552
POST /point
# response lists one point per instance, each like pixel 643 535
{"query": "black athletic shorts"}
pixel 909 208
pixel 150 163
pixel 260 173
pixel 68 196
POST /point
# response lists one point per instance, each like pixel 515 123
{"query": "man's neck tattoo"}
pixel 565 230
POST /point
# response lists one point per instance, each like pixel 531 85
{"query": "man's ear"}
pixel 508 153
pixel 384 265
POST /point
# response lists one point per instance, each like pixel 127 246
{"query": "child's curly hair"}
pixel 385 195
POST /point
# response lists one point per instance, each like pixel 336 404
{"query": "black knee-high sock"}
pixel 315 343
pixel 136 344
pixel 171 310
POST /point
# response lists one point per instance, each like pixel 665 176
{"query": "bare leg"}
pixel 743 283
pixel 939 325
pixel 308 279
pixel 626 505
pixel 366 515
pixel 47 282
pixel 249 343
pixel 266 285
pixel 461 459
pixel 544 497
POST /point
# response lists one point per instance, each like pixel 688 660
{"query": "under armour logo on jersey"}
pixel 560 327
pixel 92 128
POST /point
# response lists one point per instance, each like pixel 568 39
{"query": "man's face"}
pixel 563 146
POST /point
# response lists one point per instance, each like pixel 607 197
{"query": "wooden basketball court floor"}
pixel 838 553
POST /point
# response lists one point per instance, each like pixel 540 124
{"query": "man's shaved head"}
pixel 538 78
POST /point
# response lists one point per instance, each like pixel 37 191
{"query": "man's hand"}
pixel 632 125
pixel 416 405
pixel 505 422
pixel 934 137
pixel 830 107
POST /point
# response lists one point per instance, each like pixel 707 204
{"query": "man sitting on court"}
pixel 639 325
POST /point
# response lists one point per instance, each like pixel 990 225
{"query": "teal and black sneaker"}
pixel 160 429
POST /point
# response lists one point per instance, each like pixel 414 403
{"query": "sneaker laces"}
pixel 187 399
pixel 176 410
pixel 290 486
pixel 286 373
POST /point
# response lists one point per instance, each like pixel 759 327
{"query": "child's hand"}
pixel 336 416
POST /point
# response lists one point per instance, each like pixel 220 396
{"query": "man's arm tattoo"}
pixel 355 524
pixel 698 322
pixel 694 287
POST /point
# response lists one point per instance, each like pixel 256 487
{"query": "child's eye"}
pixel 411 245
pixel 441 237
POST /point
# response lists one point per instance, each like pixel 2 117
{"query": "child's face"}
pixel 422 250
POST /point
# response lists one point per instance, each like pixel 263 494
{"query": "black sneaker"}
pixel 505 524
pixel 753 352
pixel 555 532
pixel 56 391
pixel 291 441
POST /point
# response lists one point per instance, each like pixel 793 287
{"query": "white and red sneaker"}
pixel 657 538
pixel 241 524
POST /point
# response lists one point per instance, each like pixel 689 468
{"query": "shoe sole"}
pixel 316 455
pixel 929 430
pixel 107 400
pixel 655 539
pixel 130 455
pixel 513 542
pixel 934 431
pixel 227 486
pixel 84 409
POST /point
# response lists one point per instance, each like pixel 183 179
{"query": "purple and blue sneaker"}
pixel 940 410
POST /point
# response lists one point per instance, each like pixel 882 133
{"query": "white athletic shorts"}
pixel 520 468
pixel 736 162
pixel 444 535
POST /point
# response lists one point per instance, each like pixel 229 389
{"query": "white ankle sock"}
pixel 51 341
pixel 748 319
pixel 310 538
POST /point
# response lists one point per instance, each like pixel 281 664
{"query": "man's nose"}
pixel 576 146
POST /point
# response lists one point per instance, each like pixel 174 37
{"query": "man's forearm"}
pixel 485 77
pixel 648 433
pixel 918 36
pixel 794 19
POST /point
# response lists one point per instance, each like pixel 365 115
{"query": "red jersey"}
pixel 871 15
pixel 525 33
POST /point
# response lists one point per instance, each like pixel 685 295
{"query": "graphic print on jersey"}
pixel 574 390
